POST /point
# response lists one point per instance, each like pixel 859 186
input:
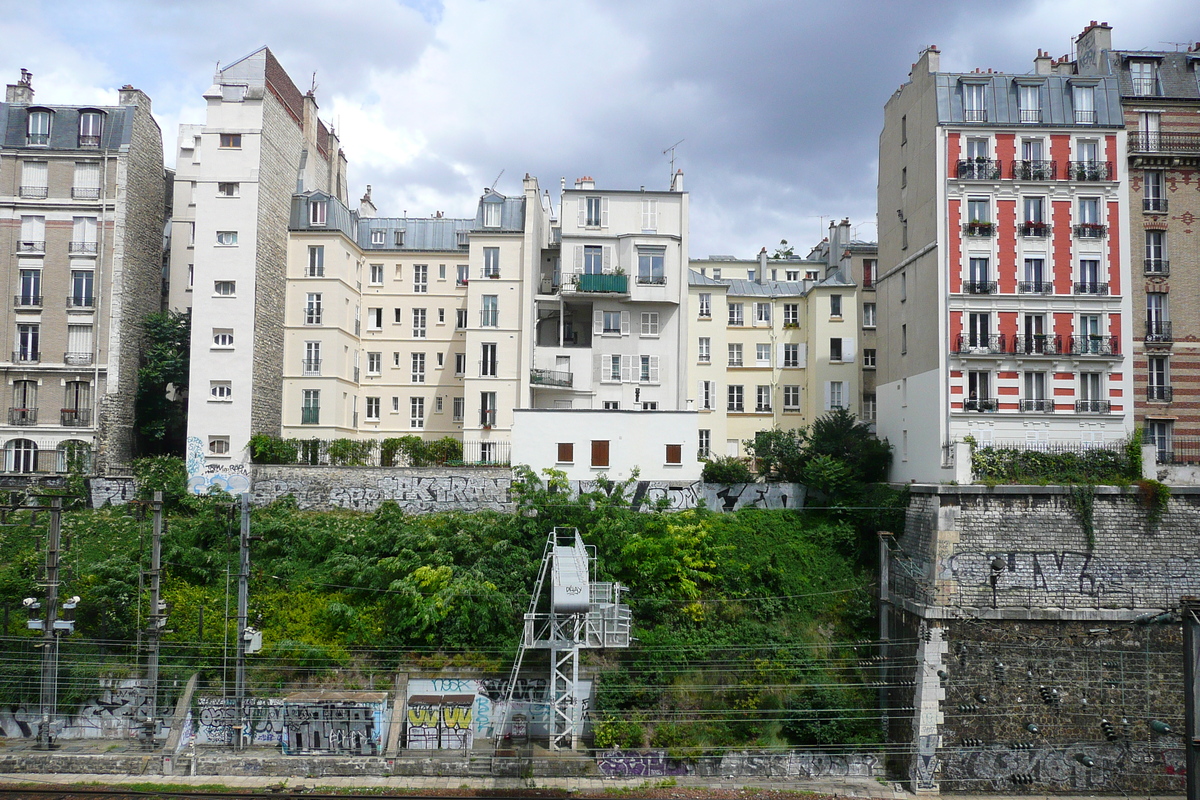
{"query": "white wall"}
pixel 636 439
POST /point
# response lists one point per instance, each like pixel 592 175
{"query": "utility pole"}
pixel 1191 693
pixel 157 618
pixel 243 611
pixel 49 634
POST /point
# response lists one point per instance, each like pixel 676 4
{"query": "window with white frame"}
pixel 218 445
pixel 650 266
pixel 488 366
pixel 310 410
pixel 418 367
pixel 461 275
pixel 611 322
pixel 648 369
pixel 704 350
pixel 227 238
pixel 418 320
pixel 1084 100
pixel 316 261
pixel 704 443
pixel 228 189
pixel 35 180
pixel 312 309
pixel 762 399
pixel 791 398
pixel 595 209
pixel 312 358
pixel 38 128
pixel 610 368
pixel 222 337
pixel 705 299
pixel 762 313
pixel 491 214
pixel 791 315
pixel 706 389
pixel 835 349
pixel 489 313
pixel 420 278
pixel 735 355
pixel 1144 75
pixel 649 323
pixel 460 363
pixel 225 288
pixel 416 412
pixel 593 259
pixel 372 409
pixel 762 354
pixel 649 215
pixel 1029 103
pixel 736 399
pixel 374 319
pixel 836 395
pixel 868 315
pixel 378 236
pixel 316 212
pixel 868 361
pixel 974 106
pixel 220 391
pixel 835 305
pixel 869 406
pixel 90 124
pixel 1156 252
pixel 791 355
pixel 458 407
pixel 491 262
pixel 735 314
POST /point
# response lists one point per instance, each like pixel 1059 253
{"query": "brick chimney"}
pixel 1041 64
pixel 21 92
pixel 1090 48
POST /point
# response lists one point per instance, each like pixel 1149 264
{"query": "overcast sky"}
pixel 778 104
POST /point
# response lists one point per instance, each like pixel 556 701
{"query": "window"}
pixel 231 141
pixel 903 339
pixel 460 363
pixel 649 323
pixel 491 214
pixel 648 369
pixel 378 236
pixel 791 315
pixel 1144 75
pixel 595 212
pixel 225 288
pixel 704 443
pixel 706 390
pixel 460 318
pixel 420 278
pixel 312 358
pixel 1154 199
pixel 1149 136
pixel 222 337
pixel 903 177
pixel 599 452
pixel 762 355
pixel 374 319
pixel 228 189
pixel 705 305
pixel 762 399
pixel 1158 325
pixel 316 261
pixel 220 390
pixel 35 180
pixel 735 355
pixel 418 367
pixel 491 262
pixel 227 238
pixel 717 273
pixel 1084 100
pixel 611 368
pixel 674 454
pixel 458 407
pixel 836 399
pixel 87 180
pixel 650 266
pixel 566 453
pixel 1159 433
pixel 835 305
pixel 869 358
pixel 1029 104
pixel 1089 386
pixel 704 350
pixel 39 128
pixel 312 309
pixel 489 314
pixel 1156 252
pixel 30 288
pixel 792 274
pixel 868 407
pixel 735 314
pixel 791 398
pixel 416 412
pixel 310 411
pixel 418 318
pixel 649 215
pixel 979 212
pixel 593 260
pixel 218 445
pixel 791 355
pixel 903 286
pixel 611 322
pixel 372 409
pixel 82 288
pixel 1089 277
pixel 1089 211
pixel 974 108
pixel 736 399
pixel 868 315
pixel 835 349
pixel 1158 380
pixel 487 360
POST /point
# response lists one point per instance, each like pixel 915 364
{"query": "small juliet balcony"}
pixel 1037 344
pixel 22 416
pixel 26 356
pixel 82 248
pixel 34 192
pixel 551 377
pixel 78 359
pixel 310 367
pixel 310 415
pixel 1035 230
pixel 1103 346
pixel 25 300
pixel 1091 287
pixel 1040 406
pixel 1159 394
pixel 987 405
pixel 979 169
pixel 977 228
pixel 1157 266
pixel 1033 170
pixel 81 301
pixel 75 417
pixel 31 246
pixel 1035 287
pixel 1154 205
pixel 1159 330
pixel 1090 230
pixel 979 287
pixel 1090 171
pixel 1092 407
pixel 980 344
pixel 85 193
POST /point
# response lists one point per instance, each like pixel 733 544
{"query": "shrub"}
pixel 1096 465
pixel 351 452
pixel 267 449
pixel 727 469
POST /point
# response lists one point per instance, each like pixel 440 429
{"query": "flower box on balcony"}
pixel 791 324
pixel 1090 230
pixel 980 228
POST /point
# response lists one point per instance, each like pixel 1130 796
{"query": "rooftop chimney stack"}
pixel 677 181
pixel 21 92
pixel 762 267
pixel 1041 64
pixel 1091 46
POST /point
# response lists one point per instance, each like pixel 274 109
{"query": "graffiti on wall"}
pixel 205 476
pixel 794 765
pixel 333 727
pixel 261 718
pixel 111 491
pixel 1064 767
pixel 720 497
pixel 115 713
pixel 435 721
pixel 366 489
pixel 440 721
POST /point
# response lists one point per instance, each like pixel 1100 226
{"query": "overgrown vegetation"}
pixel 1091 465
pixel 160 410
pixel 410 451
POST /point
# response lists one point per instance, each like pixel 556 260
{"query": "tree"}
pixel 161 406
pixel 840 434
pixel 833 455
pixel 784 250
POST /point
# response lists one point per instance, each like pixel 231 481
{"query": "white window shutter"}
pixel 604 212
pixel 624 323
pixel 626 369
pixel 582 212
pixel 607 259
pixel 598 322
pixel 804 354
pixel 848 349
pixel 828 396
pixel 598 366
pixel 654 369
pixel 780 359
pixel 579 257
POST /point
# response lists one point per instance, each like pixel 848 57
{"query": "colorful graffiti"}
pixel 204 477
pixel 333 727
pixel 433 722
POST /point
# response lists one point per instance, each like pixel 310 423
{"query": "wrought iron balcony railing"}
pixel 1089 171
pixel 1037 344
pixel 1034 170
pixel 1154 205
pixel 22 416
pixel 26 356
pixel 1157 266
pixel 1160 394
pixel 1159 330
pixel 27 300
pixel 979 287
pixel 1092 407
pixel 1094 346
pixel 979 169
pixel 1035 230
pixel 85 193
pixel 80 301
pixel 550 377
pixel 82 248
pixel 1041 406
pixel 75 417
pixel 31 246
pixel 1035 287
pixel 985 404
pixel 1090 230
pixel 980 343
pixel 34 192
pixel 1090 287
pixel 78 359
pixel 979 228
pixel 310 415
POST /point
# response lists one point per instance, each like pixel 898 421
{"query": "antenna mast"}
pixel 492 188
pixel 671 150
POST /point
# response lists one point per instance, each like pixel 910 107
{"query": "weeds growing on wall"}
pixel 1055 464
pixel 1153 497
pixel 1083 500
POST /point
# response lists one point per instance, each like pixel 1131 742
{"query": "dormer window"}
pixel 491 215
pixel 974 105
pixel 1084 100
pixel 1145 78
pixel 90 126
pixel 39 128
pixel 316 212
pixel 1029 103
pixel 378 236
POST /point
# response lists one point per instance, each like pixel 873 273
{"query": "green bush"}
pixel 165 474
pixel 351 452
pixel 727 469
pixel 1097 465
pixel 267 449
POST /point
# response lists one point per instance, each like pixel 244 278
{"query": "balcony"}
pixel 1083 117
pixel 85 193
pixel 1033 170
pixel 1037 344
pixel 89 142
pixel 34 192
pixel 310 367
pixel 22 416
pixel 979 287
pixel 1089 171
pixel 979 228
pixel 1035 287
pixel 1091 287
pixel 1038 406
pixel 610 283
pixel 974 115
pixel 1156 142
pixel 550 377
pixel 651 280
pixel 1092 407
pixel 78 359
pixel 30 246
pixel 1159 330
pixel 85 301
pixel 1157 266
pixel 310 415
pixel 76 417
pixel 1030 116
pixel 1035 230
pixel 82 248
pixel 1159 394
pixel 27 300
pixel 983 404
pixel 1090 230
pixel 980 344
pixel 1094 346
pixel 1154 205
pixel 26 356
pixel 979 169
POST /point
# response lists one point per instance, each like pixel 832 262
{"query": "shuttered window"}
pixel 566 452
pixel 599 452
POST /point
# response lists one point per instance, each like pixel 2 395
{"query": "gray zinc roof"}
pixel 1000 99
pixel 115 130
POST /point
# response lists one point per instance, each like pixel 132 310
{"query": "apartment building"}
pixel 1004 291
pixel 235 176
pixel 81 223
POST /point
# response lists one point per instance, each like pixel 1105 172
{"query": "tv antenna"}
pixel 671 150
pixel 492 188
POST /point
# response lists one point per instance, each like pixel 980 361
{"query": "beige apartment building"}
pixel 81 225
